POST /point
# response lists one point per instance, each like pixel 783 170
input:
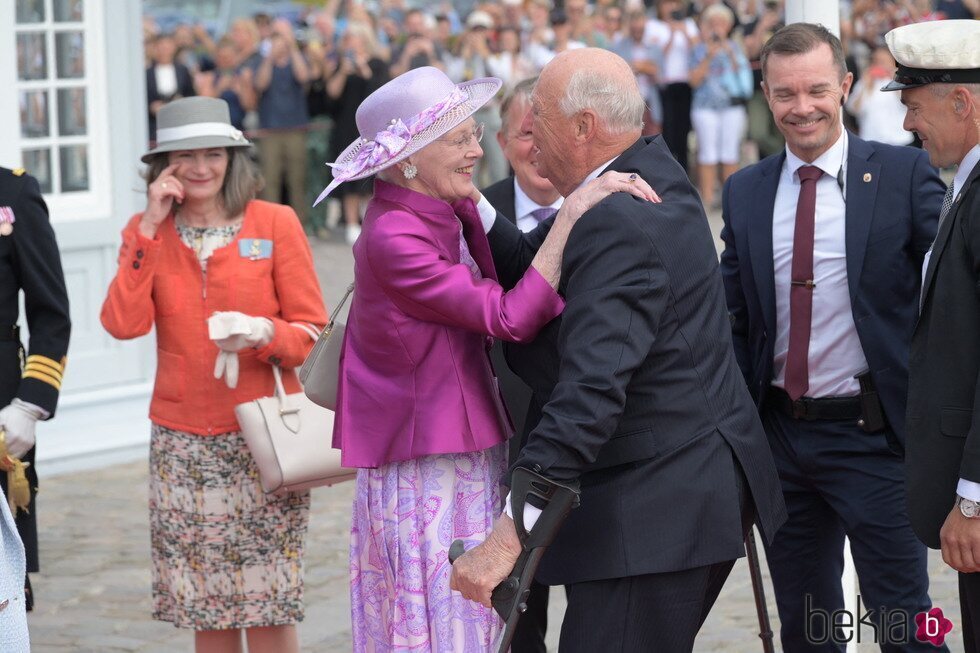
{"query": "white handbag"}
pixel 290 439
pixel 321 368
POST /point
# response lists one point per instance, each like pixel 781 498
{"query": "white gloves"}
pixel 18 420
pixel 232 331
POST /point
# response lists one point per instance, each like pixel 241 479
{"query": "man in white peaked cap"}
pixel 939 78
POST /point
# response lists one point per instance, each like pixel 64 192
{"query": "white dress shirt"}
pixel 166 79
pixel 677 60
pixel 835 355
pixel 524 205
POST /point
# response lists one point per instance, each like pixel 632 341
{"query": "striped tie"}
pixel 947 202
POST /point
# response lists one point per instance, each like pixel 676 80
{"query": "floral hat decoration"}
pixel 405 115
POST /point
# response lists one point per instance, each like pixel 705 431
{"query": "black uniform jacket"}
pixel 30 262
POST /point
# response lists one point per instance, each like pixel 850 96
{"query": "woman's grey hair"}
pixel 717 11
pixel 618 104
pixel 242 184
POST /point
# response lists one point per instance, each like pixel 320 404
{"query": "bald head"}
pixel 597 80
pixel 585 110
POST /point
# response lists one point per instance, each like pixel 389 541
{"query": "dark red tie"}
pixel 801 288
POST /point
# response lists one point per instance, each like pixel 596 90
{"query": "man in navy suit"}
pixel 822 264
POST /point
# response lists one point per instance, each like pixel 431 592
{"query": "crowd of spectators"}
pixel 294 87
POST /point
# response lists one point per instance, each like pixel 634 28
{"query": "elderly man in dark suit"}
pixel 823 247
pixel 638 397
pixel 939 77
pixel 526 199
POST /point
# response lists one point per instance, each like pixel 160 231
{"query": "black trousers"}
pixel 970 611
pixel 838 480
pixel 676 99
pixel 652 612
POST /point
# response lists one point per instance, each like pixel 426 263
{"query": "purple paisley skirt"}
pixel 406 515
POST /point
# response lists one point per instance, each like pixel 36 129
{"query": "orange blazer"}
pixel 266 271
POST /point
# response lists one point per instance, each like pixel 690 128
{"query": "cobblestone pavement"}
pixel 94 592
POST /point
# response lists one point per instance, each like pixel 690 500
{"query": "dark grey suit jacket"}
pixel 642 402
pixel 943 421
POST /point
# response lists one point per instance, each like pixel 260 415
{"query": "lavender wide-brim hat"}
pixel 405 115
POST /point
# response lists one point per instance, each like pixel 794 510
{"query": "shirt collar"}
pixel 595 173
pixel 523 205
pixel 830 161
pixel 966 167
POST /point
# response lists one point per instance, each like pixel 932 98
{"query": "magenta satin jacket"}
pixel 415 376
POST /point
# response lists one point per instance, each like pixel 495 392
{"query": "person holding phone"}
pixel 879 115
pixel 280 81
pixel 360 72
pixel 722 82
pixel 675 34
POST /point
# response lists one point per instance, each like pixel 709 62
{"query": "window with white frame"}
pixel 59 128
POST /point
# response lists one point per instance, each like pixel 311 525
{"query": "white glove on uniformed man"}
pixel 18 420
pixel 232 331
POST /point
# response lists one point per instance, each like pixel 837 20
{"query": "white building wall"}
pixel 101 416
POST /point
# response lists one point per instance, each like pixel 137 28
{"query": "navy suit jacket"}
pixel 892 201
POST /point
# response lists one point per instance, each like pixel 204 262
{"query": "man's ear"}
pixel 586 124
pixel 961 101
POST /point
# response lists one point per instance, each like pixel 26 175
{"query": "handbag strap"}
pixel 340 306
pixel 281 396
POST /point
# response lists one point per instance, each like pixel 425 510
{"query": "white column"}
pixel 824 12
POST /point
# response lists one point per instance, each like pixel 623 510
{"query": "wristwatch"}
pixel 968 508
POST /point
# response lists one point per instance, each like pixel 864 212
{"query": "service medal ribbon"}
pixel 7 220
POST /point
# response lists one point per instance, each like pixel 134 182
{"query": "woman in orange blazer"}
pixel 226 557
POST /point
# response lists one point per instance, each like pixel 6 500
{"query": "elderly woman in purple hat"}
pixel 418 409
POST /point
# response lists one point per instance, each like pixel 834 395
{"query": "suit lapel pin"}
pixel 867 177
pixel 6 221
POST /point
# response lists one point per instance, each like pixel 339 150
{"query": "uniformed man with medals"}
pixel 29 381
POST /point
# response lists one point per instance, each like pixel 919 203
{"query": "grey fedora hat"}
pixel 195 123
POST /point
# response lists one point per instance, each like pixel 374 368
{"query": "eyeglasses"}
pixel 464 141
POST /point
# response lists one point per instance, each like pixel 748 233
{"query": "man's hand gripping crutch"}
pixel 498 572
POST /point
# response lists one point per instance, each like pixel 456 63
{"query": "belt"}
pixel 812 409
pixel 8 333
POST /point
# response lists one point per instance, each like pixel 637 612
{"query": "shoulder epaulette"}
pixel 18 171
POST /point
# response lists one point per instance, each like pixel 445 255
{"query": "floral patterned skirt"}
pixel 406 515
pixel 225 555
